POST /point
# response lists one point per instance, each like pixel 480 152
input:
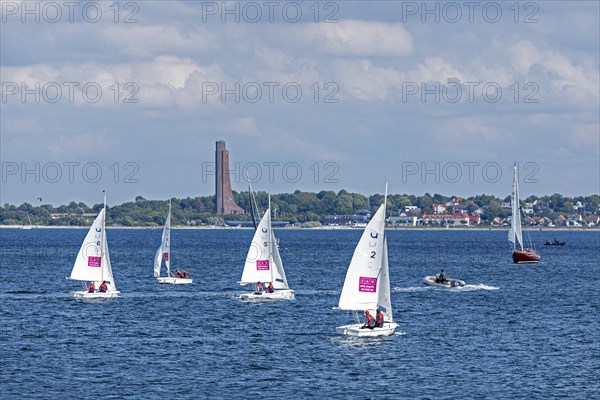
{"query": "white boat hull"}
pixel 450 283
pixel 172 280
pixel 84 294
pixel 356 330
pixel 283 294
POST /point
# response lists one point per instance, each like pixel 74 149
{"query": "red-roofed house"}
pixel 560 221
pixel 445 219
pixel 474 219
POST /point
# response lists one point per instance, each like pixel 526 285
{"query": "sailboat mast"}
pixel 385 196
pixel 168 264
pixel 271 237
pixel 250 200
pixel 517 204
pixel 103 237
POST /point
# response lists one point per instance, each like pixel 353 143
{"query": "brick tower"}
pixel 224 196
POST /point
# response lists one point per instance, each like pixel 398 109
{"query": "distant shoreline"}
pixel 320 228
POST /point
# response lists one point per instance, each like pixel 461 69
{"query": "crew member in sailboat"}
pixel 91 288
pixel 258 288
pixel 379 319
pixel 369 321
pixel 103 287
pixel 270 288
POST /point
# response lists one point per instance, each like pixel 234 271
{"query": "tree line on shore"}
pixel 298 207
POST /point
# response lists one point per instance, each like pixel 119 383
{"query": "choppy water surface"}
pixel 513 332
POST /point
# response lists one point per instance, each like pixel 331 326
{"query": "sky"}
pixel 437 97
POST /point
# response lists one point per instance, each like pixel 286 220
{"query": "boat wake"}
pixel 479 286
pixel 466 288
pixel 410 289
pixel 33 295
pixel 160 294
pixel 313 292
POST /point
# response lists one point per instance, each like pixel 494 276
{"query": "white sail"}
pixel 279 279
pixel 164 251
pixel 384 300
pixel 515 235
pixel 259 260
pixel 89 265
pixel 106 266
pixel 363 279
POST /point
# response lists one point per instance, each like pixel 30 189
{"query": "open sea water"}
pixel 515 331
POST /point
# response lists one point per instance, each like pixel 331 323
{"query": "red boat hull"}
pixel 525 257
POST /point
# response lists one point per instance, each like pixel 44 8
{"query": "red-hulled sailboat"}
pixel 520 254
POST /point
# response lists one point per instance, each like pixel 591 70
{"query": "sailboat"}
pixel 93 262
pixel 520 254
pixel 30 226
pixel 164 252
pixel 264 265
pixel 367 283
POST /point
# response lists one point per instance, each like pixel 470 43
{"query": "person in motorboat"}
pixel 103 287
pixel 91 288
pixel 441 277
pixel 379 319
pixel 270 288
pixel 369 321
pixel 258 288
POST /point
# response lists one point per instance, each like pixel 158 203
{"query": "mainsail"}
pixel 515 235
pixel 364 279
pixel 88 264
pixel 164 251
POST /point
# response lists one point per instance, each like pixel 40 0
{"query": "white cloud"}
pixel 436 69
pixel 163 81
pixel 365 81
pixel 151 41
pixel 579 83
pixel 352 38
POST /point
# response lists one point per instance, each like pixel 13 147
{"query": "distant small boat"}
pixel 520 255
pixel 446 283
pixel 555 242
pixel 30 226
pixel 164 252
